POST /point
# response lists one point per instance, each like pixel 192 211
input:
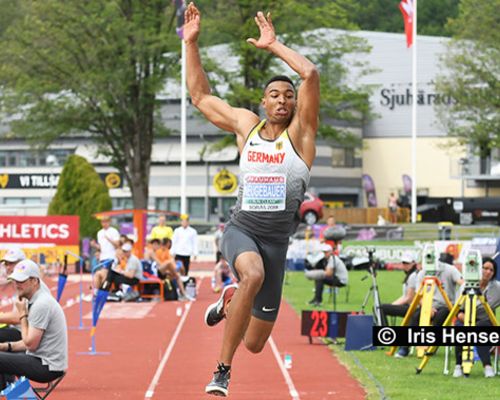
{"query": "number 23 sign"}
pixel 319 323
pixel 315 323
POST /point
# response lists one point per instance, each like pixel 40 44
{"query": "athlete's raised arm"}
pixel 217 111
pixel 304 124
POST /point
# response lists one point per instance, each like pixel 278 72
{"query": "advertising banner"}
pixel 369 187
pixel 44 238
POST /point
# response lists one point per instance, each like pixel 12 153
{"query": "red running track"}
pixel 156 354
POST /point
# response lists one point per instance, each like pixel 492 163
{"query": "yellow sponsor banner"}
pixel 225 181
pixel 48 254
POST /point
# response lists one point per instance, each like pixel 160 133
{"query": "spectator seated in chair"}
pixel 127 273
pixel 399 307
pixel 10 328
pixel 159 253
pixel 42 353
pixel 328 270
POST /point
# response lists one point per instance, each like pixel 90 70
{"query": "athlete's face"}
pixel 279 101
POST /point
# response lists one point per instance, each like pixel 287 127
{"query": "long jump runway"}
pixel 163 350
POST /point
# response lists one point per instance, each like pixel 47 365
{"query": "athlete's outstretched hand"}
pixel 267 34
pixel 191 28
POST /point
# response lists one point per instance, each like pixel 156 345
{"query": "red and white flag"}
pixel 406 7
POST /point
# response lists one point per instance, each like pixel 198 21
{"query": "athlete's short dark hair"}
pixel 282 78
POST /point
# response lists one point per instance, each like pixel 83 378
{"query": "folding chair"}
pixel 150 277
pixel 42 392
pixel 151 281
pixel 333 290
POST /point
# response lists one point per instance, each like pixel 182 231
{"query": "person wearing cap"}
pixel 335 274
pixel 108 241
pixel 12 332
pixel 400 306
pixel 42 352
pixel 185 243
pixel 162 230
pixel 132 273
pixel 11 257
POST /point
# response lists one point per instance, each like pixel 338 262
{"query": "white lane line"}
pixel 288 379
pixel 151 389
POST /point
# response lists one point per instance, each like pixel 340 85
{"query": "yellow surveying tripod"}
pixel 471 294
pixel 425 296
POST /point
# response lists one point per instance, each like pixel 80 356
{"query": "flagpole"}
pixel 414 118
pixel 183 127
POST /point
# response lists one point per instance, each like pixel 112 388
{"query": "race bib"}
pixel 264 192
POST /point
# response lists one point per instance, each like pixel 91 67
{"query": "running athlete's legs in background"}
pixel 239 323
pixel 99 278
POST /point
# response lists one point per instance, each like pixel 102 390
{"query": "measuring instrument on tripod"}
pixel 377 316
pixel 425 294
pixel 468 301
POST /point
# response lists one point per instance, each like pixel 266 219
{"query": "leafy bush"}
pixel 81 192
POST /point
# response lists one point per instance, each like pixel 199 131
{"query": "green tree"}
pixel 384 16
pixel 234 22
pixel 10 12
pixel 297 23
pixel 472 78
pixel 91 67
pixel 81 192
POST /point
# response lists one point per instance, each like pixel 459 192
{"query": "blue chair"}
pixel 150 279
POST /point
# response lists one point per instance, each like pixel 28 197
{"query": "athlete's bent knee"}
pixel 253 278
pixel 255 346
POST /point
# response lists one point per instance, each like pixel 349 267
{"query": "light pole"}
pixel 53 163
pixel 463 170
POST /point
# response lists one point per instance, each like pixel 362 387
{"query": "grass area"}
pixel 383 376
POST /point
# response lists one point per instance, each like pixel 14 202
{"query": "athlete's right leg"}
pixel 250 270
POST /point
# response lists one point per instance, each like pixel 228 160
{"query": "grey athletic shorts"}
pixel 267 301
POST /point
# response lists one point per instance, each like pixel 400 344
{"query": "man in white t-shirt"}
pixel 108 240
pixel 185 243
